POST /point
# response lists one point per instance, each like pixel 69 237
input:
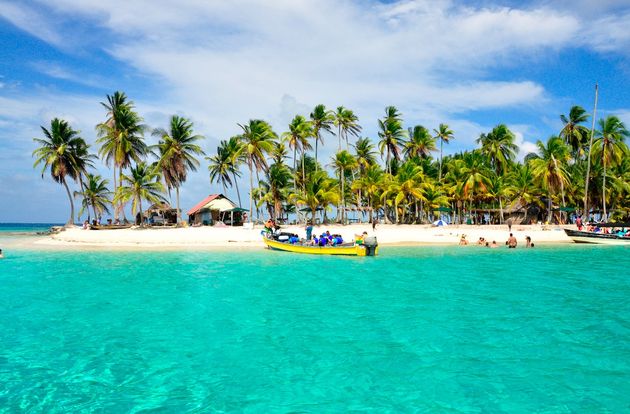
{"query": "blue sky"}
pixel 469 64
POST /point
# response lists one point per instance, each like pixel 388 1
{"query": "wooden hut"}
pixel 160 214
pixel 214 209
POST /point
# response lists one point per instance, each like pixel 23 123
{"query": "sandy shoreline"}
pixel 243 238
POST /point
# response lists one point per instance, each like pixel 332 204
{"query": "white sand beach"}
pixel 242 237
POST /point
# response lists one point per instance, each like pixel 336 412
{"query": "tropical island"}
pixel 581 171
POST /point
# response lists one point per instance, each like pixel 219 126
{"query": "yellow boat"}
pixel 369 248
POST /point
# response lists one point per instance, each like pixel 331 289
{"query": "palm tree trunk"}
pixel 441 141
pixel 500 211
pixel 251 188
pixel 178 218
pixel 71 219
pixel 238 193
pixel 303 173
pixel 140 206
pixel 115 207
pixel 604 191
pixel 122 204
pixel 339 135
pixel 343 197
pixel 316 141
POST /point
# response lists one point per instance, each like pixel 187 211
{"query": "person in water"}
pixel 1 255
pixel 511 242
pixel 528 241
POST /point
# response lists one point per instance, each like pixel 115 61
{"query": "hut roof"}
pixel 213 202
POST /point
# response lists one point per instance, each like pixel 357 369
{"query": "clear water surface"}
pixel 422 329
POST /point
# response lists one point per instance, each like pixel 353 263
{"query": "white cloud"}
pixel 524 147
pixel 31 21
pixel 609 33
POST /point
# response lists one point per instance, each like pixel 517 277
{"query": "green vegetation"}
pixel 286 174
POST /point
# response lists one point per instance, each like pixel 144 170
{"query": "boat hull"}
pixel 355 250
pixel 596 238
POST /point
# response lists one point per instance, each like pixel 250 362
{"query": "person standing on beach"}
pixel 309 231
pixel 509 223
pixel 374 223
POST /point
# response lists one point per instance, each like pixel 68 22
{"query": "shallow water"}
pixel 422 329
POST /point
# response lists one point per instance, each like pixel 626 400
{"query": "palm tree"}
pixel 95 195
pixel 548 168
pixel 121 137
pixel 278 180
pixel 370 185
pixel 64 153
pixel 499 188
pixel 347 123
pixel 343 161
pixel 177 150
pixel 433 196
pixel 319 191
pixel 322 120
pixel 364 154
pixel 143 182
pixel 404 188
pixel 300 130
pixel 420 143
pixel 498 145
pixel 234 149
pixel 392 135
pixel 257 140
pixel 572 132
pixel 444 134
pixel 524 189
pixel 475 174
pixel 220 167
pixel 609 147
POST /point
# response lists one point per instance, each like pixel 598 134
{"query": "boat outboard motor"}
pixel 370 244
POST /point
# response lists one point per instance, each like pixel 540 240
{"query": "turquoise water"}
pixel 423 329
